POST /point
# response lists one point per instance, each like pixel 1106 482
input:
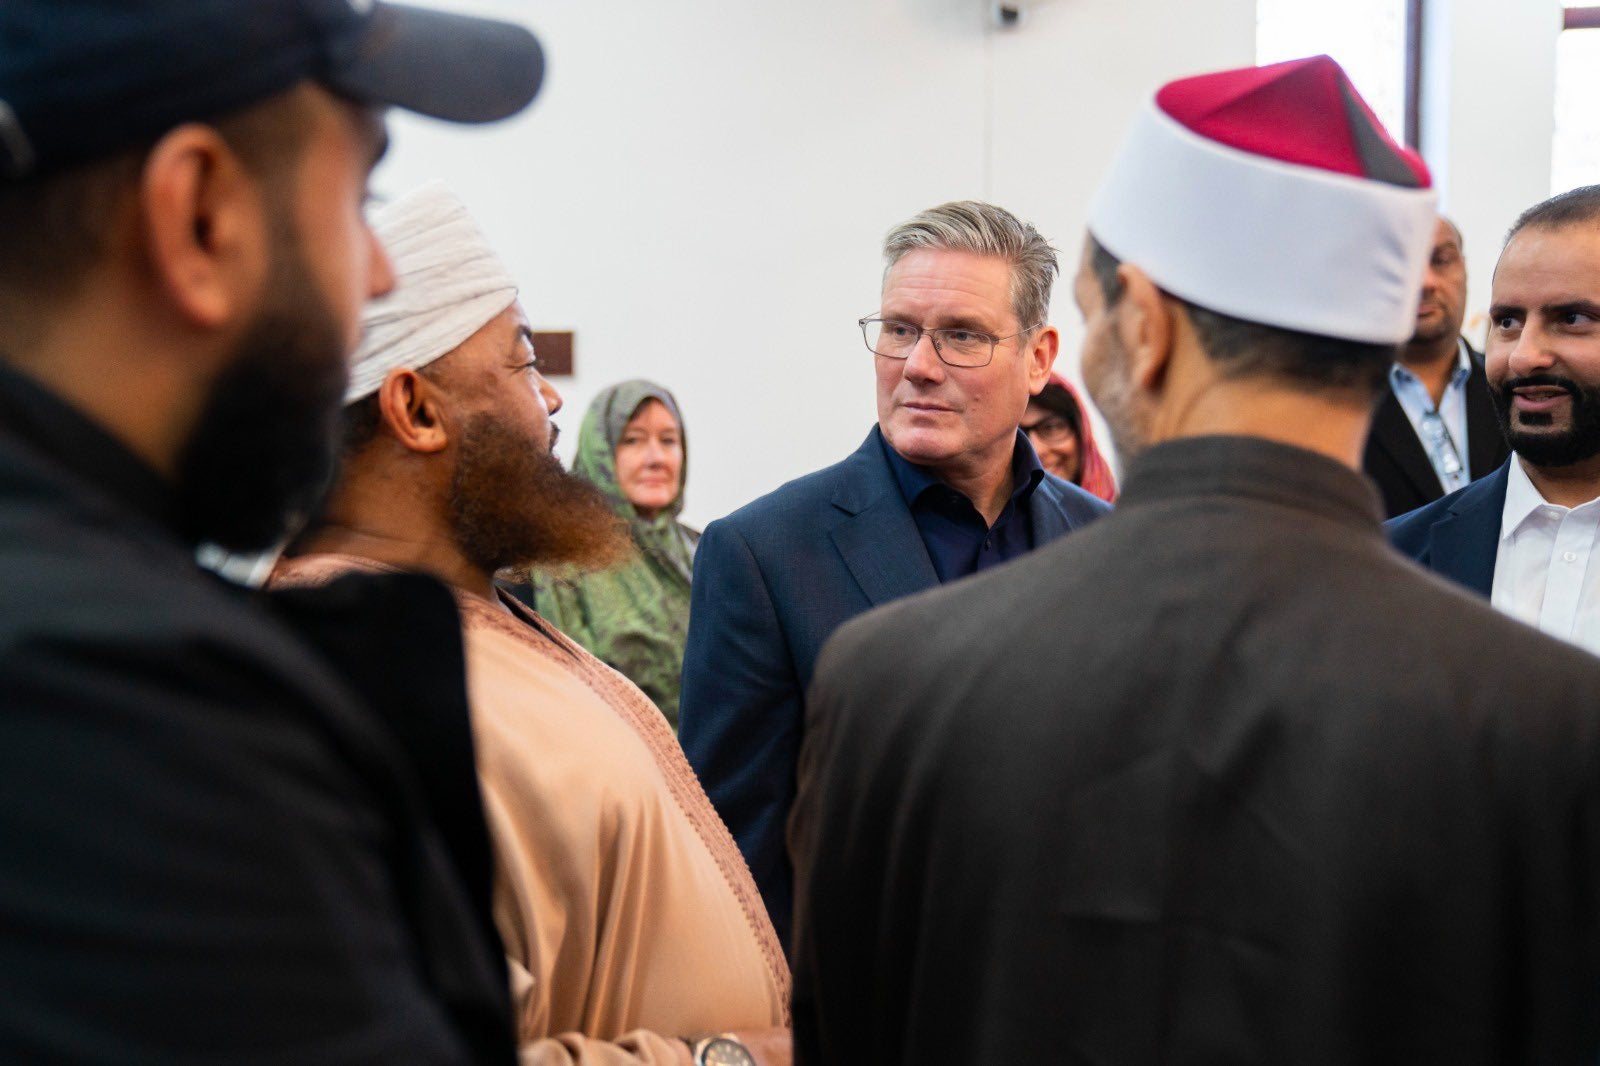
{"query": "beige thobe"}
pixel 629 917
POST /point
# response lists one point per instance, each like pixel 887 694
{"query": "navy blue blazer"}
pixel 1457 535
pixel 772 581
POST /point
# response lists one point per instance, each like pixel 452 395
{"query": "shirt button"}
pixel 1570 557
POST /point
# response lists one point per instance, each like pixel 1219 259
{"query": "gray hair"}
pixel 984 229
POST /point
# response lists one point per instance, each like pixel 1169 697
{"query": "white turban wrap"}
pixel 448 285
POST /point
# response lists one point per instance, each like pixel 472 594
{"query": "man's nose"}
pixel 1531 354
pixel 552 398
pixel 923 363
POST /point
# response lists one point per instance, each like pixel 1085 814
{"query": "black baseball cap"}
pixel 82 79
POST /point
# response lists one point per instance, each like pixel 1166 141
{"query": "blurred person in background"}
pixel 1059 429
pixel 1434 430
pixel 633 617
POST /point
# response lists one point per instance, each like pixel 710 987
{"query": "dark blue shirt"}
pixel 958 540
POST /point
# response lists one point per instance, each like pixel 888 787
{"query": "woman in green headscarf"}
pixel 634 617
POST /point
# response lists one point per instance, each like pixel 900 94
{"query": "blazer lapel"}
pixel 884 552
pixel 1465 543
pixel 1046 517
pixel 1393 435
pixel 880 543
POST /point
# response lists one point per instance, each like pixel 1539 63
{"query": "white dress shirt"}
pixel 1542 571
pixel 1447 453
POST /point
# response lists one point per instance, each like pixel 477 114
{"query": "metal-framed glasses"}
pixel 893 339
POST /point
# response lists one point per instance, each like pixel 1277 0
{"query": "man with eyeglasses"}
pixel 1434 430
pixel 944 486
pixel 1525 536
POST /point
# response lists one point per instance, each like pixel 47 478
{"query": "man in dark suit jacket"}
pixel 1459 534
pixel 1526 537
pixel 1220 778
pixel 944 486
pixel 1434 430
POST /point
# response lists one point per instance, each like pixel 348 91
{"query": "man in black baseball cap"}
pixel 234 828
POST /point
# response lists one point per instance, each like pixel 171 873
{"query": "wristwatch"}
pixel 721 1050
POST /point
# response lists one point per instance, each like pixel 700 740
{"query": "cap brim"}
pixel 452 67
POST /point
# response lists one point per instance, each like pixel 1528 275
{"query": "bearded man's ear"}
pixel 412 410
pixel 1146 327
pixel 202 221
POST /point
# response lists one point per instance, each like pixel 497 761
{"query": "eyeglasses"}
pixel 1051 430
pixel 955 347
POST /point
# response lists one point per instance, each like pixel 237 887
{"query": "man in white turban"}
pixel 633 929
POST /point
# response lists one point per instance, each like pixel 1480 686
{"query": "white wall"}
pixel 701 189
pixel 1488 118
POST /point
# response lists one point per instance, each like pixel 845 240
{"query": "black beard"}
pixel 262 452
pixel 514 505
pixel 1574 444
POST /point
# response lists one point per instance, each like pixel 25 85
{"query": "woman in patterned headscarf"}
pixel 634 617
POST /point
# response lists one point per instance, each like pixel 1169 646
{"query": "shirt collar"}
pixel 1524 501
pixel 48 426
pixel 1399 375
pixel 914 480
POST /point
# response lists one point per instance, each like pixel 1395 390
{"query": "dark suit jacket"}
pixel 1396 460
pixel 1458 535
pixel 772 582
pixel 1220 779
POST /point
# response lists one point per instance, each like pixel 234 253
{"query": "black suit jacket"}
pixel 1219 779
pixel 1397 462
pixel 772 581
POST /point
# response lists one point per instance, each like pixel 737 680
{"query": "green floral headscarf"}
pixel 596 462
pixel 635 616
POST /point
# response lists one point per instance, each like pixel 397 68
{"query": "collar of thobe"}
pixel 1255 468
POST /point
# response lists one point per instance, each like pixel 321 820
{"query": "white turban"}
pixel 448 285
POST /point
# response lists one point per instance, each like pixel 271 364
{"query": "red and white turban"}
pixel 1272 194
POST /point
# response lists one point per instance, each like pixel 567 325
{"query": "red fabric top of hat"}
pixel 1304 111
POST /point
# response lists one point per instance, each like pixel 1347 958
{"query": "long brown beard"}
pixel 513 506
